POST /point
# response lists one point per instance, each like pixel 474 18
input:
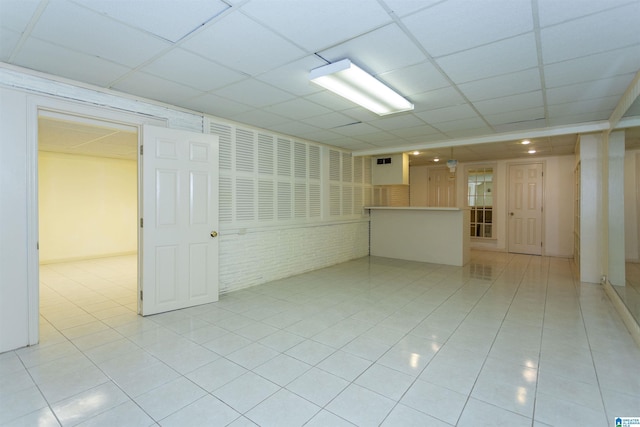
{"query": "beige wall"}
pixel 87 206
pixel 558 202
pixel 632 205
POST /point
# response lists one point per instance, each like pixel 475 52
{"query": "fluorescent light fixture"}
pixel 352 82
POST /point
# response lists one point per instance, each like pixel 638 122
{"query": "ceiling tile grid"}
pixel 472 68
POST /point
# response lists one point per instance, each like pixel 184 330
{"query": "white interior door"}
pixel 525 208
pixel 179 266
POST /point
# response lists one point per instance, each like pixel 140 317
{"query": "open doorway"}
pixel 88 234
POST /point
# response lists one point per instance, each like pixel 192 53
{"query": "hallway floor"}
pixel 506 340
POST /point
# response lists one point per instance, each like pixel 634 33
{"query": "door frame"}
pixel 36 103
pixel 543 163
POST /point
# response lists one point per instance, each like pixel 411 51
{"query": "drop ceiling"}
pixel 473 68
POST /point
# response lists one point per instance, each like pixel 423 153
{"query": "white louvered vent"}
pixel 284 157
pixel 368 196
pixel 314 162
pixel 357 170
pixel 244 150
pixel 357 200
pixel 300 160
pixel 314 201
pixel 347 167
pixel 284 200
pixel 265 154
pixel 334 165
pixel 300 200
pixel 347 200
pixel 334 200
pixel 245 199
pixel 367 171
pixel 224 133
pixel 265 200
pixel 225 209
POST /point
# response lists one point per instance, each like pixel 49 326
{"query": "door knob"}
pixel 511 213
pixel 214 234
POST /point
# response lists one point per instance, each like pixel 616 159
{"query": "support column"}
pixel 616 246
pixel 591 208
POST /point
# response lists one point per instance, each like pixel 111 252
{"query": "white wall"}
pixel 262 255
pixel 631 205
pixel 87 206
pixel 335 238
pixel 14 292
pixel 558 206
pixel 558 202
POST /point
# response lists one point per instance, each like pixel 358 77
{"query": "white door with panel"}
pixel 525 208
pixel 179 219
pixel 442 188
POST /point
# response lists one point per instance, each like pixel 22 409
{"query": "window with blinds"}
pixel 268 179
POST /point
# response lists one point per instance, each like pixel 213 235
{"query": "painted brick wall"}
pixel 264 255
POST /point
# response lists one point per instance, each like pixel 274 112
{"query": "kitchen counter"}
pixel 435 235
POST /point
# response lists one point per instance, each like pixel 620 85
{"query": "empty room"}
pixel 319 213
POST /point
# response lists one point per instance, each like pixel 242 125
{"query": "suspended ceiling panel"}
pixel 86 138
pixel 473 68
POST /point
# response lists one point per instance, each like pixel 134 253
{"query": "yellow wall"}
pixel 87 206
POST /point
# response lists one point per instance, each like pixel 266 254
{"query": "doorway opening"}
pixel 87 214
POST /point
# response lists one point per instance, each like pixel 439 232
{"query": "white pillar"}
pixel 616 247
pixel 591 208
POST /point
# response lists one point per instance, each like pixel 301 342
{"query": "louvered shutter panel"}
pixel 368 196
pixel 265 200
pixel 367 170
pixel 244 150
pixel 265 154
pixel 284 157
pixel 245 199
pixel 334 165
pixel 334 200
pixel 225 208
pixel 357 170
pixel 314 162
pixel 224 133
pixel 284 200
pixel 347 200
pixel 357 200
pixel 347 167
pixel 300 200
pixel 300 160
pixel 315 201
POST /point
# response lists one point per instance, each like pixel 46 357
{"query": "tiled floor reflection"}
pixel 507 340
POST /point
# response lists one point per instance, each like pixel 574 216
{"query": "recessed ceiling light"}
pixel 415 153
pixel 525 142
pixel 436 159
pixel 531 151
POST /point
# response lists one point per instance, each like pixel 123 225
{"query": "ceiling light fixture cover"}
pixel 352 82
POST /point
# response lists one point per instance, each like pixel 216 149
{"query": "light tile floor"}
pixel 506 340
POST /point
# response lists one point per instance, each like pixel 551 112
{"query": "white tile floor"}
pixel 507 340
